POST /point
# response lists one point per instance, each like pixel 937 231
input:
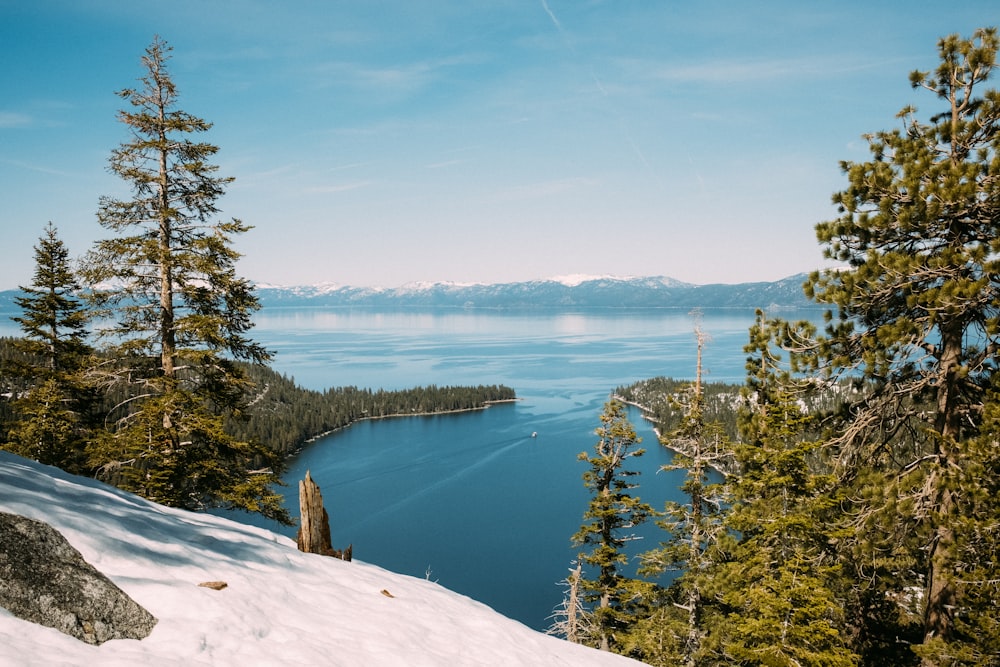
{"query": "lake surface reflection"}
pixel 323 348
pixel 473 501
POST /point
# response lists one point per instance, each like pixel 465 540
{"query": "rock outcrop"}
pixel 43 579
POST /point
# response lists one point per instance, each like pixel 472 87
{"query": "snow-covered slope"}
pixel 281 607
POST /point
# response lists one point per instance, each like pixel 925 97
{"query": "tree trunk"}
pixel 605 644
pixel 941 594
pixel 572 622
pixel 168 345
pixel 314 524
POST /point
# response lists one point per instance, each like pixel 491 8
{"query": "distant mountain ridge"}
pixel 568 292
pixel 558 293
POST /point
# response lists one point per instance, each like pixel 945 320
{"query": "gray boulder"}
pixel 43 579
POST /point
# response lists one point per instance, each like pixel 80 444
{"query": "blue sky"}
pixel 386 142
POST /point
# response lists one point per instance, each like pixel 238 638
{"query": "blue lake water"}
pixel 472 500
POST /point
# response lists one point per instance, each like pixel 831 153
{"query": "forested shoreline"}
pixel 282 416
pixel 662 402
pixel 285 417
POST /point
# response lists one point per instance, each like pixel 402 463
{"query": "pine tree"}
pixel 693 528
pixel 55 411
pixel 613 510
pixel 571 619
pixel 779 580
pixel 976 552
pixel 918 321
pixel 180 313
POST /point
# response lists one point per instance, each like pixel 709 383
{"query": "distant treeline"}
pixel 283 416
pixel 658 398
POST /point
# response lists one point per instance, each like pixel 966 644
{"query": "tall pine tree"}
pixel 976 551
pixel 918 321
pixel 779 580
pixel 693 528
pixel 180 314
pixel 613 512
pixel 55 410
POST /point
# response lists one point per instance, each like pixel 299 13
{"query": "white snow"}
pixel 576 279
pixel 568 280
pixel 427 286
pixel 281 606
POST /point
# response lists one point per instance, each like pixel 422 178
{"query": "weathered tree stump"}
pixel 314 522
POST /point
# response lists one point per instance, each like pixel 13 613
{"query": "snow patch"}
pixel 425 286
pixel 577 279
pixel 280 607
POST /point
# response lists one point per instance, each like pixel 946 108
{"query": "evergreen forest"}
pixel 858 520
pixel 281 414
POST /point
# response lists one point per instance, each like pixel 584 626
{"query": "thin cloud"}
pixel 732 71
pixel 340 187
pixel 12 119
pixel 459 159
pixel 552 16
pixel 446 163
pixel 36 168
pixel 544 189
pixel 352 165
pixel 396 79
pixel 406 77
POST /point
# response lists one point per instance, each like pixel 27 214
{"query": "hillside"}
pixel 281 607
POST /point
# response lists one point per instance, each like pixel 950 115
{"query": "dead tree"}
pixel 571 619
pixel 314 523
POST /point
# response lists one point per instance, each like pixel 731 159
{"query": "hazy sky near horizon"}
pixel 381 143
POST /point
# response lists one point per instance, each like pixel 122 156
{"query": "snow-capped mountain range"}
pixel 573 291
pixel 563 292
